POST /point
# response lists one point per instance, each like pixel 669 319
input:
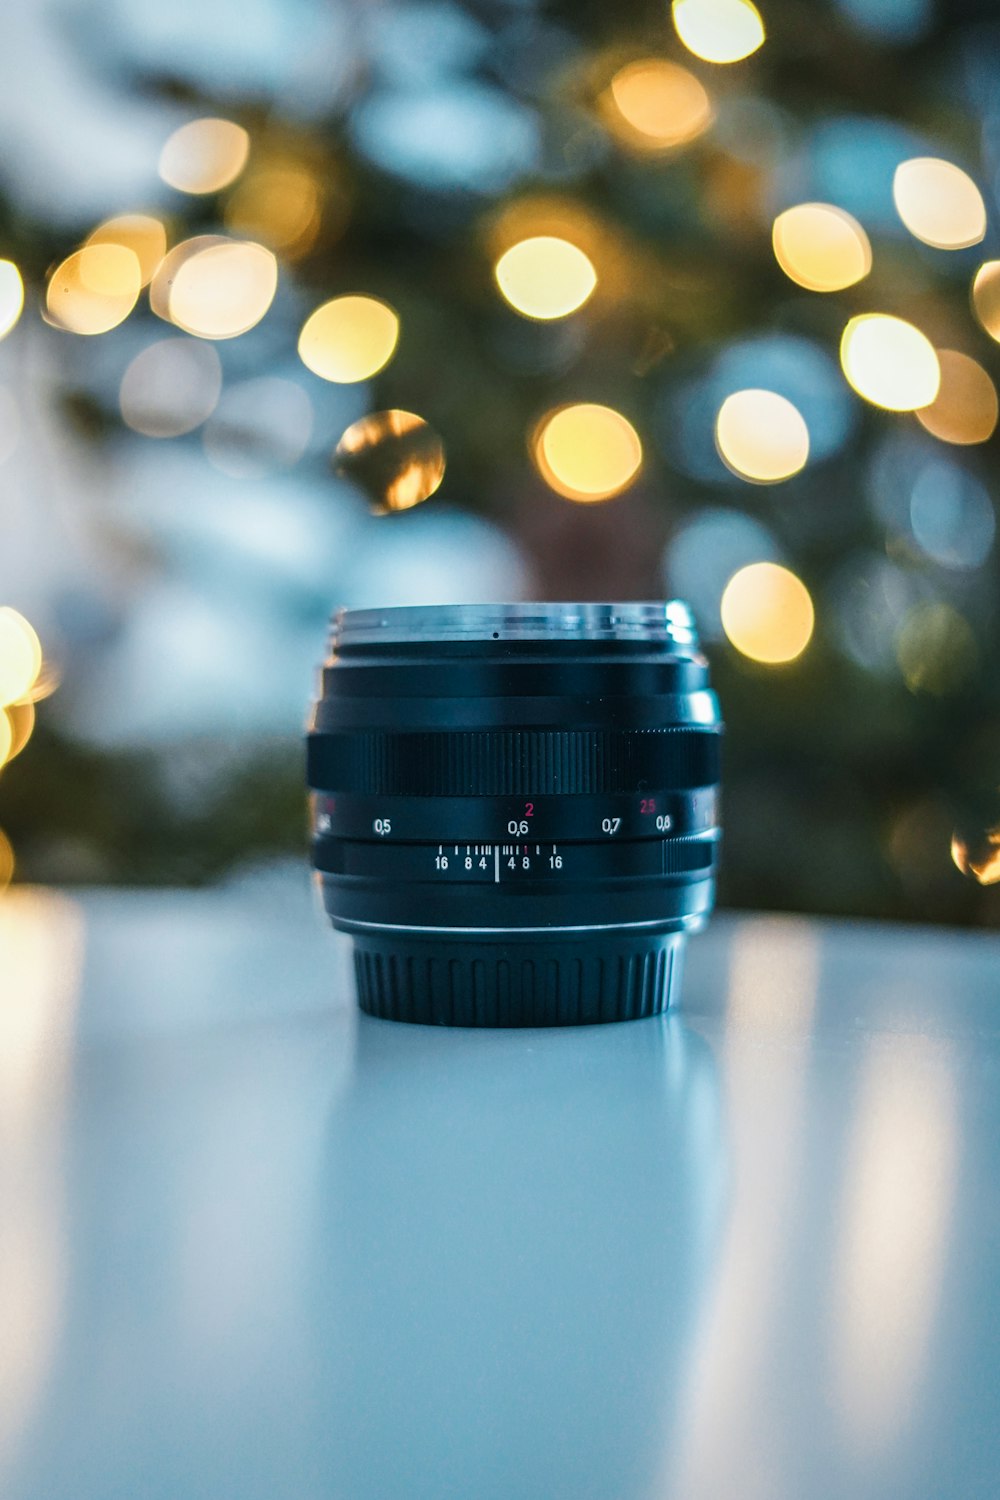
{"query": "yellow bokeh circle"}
pixel 939 203
pixel 821 247
pixel 11 296
pixel 587 452
pixel 20 656
pixel 718 31
pixel 204 155
pixel 655 105
pixel 94 289
pixel 965 408
pixel 349 338
pixel 767 613
pixel 545 277
pixel 761 436
pixel 889 362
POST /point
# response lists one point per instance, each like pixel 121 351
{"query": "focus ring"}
pixel 512 762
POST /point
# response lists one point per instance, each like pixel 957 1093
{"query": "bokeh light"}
pixel 761 436
pixel 654 105
pixel 11 296
pixel 587 452
pixel 349 338
pixel 6 855
pixel 140 233
pixel 46 683
pixel 204 155
pixel 767 613
pixel 978 858
pixel 20 656
pixel 821 247
pixel 869 597
pixel 394 456
pixel 162 283
pixel 94 289
pixel 936 649
pixel 545 277
pixel 939 203
pixel 6 738
pixel 718 31
pixel 965 409
pixel 21 719
pixel 986 297
pixel 951 515
pixel 889 362
pixel 171 387
pixel 704 554
pixel 277 204
pixel 224 289
pixel 259 425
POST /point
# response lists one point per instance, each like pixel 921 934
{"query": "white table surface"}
pixel 253 1244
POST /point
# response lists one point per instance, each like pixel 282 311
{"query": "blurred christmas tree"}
pixel 594 302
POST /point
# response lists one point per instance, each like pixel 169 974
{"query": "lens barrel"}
pixel 515 808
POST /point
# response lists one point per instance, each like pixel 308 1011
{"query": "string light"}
pixel 939 203
pixel 767 613
pixel 545 277
pixel 718 31
pixel 349 338
pixel 965 408
pixel 889 362
pixel 204 156
pixel 821 247
pixel 587 452
pixel 653 105
pixel 761 436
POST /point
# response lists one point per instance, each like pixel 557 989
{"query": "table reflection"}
pixel 516 1236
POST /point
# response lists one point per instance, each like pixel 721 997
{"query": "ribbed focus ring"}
pixel 515 762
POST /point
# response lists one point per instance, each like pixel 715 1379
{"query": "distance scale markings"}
pixel 564 820
pixel 517 858
pixel 457 862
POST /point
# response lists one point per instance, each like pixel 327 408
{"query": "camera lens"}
pixel 515 807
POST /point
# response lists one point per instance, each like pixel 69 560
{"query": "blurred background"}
pixel 306 303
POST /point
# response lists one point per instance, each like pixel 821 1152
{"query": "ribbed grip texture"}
pixel 517 985
pixel 517 762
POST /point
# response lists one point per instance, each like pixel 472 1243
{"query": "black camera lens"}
pixel 515 807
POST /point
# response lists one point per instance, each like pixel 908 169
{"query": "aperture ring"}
pixel 512 762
